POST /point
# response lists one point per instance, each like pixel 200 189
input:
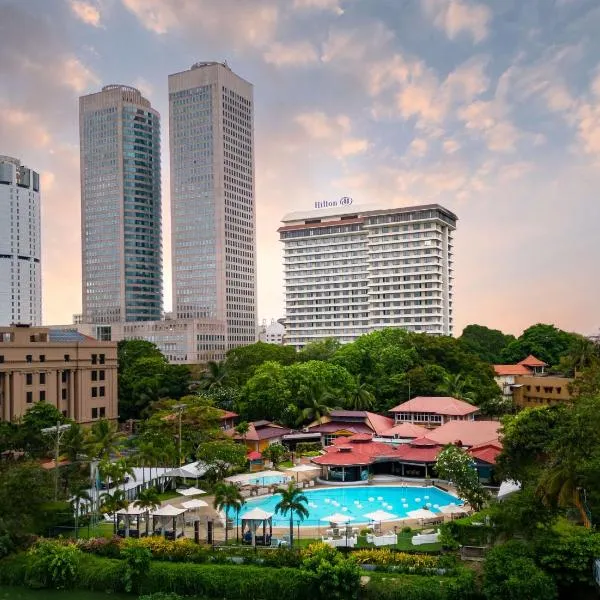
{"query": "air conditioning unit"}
pixel 305 430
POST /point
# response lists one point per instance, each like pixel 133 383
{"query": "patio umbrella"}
pixel 195 503
pixel 381 515
pixel 420 513
pixel 452 509
pixel 338 518
pixel 191 491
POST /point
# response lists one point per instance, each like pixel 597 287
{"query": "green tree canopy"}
pixel 40 416
pixel 486 343
pixel 220 456
pixel 243 362
pixel 266 394
pixel 319 350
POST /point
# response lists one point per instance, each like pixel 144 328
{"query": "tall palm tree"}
pixel 111 503
pixel 104 439
pixel 292 501
pixel 317 405
pixel 214 376
pixel 145 456
pixel 75 443
pixel 360 396
pixel 227 497
pixel 79 494
pixel 148 499
pixel 454 385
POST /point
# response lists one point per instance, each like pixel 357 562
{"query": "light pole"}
pixel 179 408
pixel 57 431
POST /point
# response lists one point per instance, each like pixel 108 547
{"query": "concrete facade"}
pixel 540 390
pixel 74 373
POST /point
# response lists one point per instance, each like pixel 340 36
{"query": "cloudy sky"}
pixel 491 109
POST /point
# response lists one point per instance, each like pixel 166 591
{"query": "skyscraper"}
pixel 350 270
pixel 212 201
pixel 20 247
pixel 120 206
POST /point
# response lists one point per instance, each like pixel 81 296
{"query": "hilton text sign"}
pixel 344 201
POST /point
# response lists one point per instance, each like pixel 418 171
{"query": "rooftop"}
pixel 532 361
pixel 406 430
pixel 260 430
pixel 511 370
pixel 469 433
pixel 439 405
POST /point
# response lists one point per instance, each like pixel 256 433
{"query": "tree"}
pixel 79 494
pixel 316 405
pixel 214 376
pixel 242 429
pixel 454 464
pixel 149 500
pixel 111 503
pixel 546 342
pixel 266 394
pixel 40 416
pixel 360 396
pixel 104 439
pixel 456 386
pixel 227 497
pixel 75 443
pixel 293 502
pixel 486 343
pixel 243 362
pixel 275 452
pixel 322 350
pixel 220 456
pixel 583 354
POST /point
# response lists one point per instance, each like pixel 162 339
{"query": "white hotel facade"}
pixel 350 270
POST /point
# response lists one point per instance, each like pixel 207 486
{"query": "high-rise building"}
pixel 20 247
pixel 352 270
pixel 213 221
pixel 120 206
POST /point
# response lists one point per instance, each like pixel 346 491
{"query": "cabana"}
pixel 193 505
pixel 167 515
pixel 251 521
pixel 191 491
pixel 304 470
pixel 125 514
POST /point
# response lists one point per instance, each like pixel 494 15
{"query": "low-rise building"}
pixel 75 373
pixel 273 333
pixel 260 435
pixel 343 423
pixel 433 411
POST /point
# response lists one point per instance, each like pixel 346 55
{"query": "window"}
pixel 64 413
pixel 94 375
pixel 42 396
pixel 29 358
pixel 63 394
pixel 101 390
pixel 102 375
pixel 102 358
pixel 28 379
pixel 94 392
pixel 94 359
pixel 102 412
pixel 42 358
pixel 67 357
pixel 1 358
pixel 94 413
pixel 29 397
pixel 63 377
pixel 42 378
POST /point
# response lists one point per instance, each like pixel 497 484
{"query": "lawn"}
pixel 404 543
pixel 23 593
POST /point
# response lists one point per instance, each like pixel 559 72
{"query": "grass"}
pixel 168 495
pixel 23 593
pixel 286 464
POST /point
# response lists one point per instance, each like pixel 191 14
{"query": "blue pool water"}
pixel 358 501
pixel 268 480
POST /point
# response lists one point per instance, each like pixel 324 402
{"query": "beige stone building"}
pixel 67 369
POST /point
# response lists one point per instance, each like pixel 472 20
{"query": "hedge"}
pixel 211 581
pixel 419 587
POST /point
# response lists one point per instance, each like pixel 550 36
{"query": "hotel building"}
pixel 74 373
pixel 350 270
pixel 20 248
pixel 120 207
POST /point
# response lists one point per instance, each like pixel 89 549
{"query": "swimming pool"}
pixel 260 478
pixel 268 480
pixel 356 502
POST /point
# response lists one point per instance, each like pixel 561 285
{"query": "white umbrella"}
pixel 508 487
pixel 168 510
pixel 256 514
pixel 338 518
pixel 381 515
pixel 191 491
pixel 452 509
pixel 420 513
pixel 195 503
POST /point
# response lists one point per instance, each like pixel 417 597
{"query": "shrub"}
pixel 138 559
pixel 109 548
pixel 53 516
pixel 161 596
pixel 398 561
pixel 510 572
pixel 335 575
pixel 304 448
pixel 448 541
pixel 53 564
pixel 406 529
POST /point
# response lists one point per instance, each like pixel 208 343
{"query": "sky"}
pixel 491 109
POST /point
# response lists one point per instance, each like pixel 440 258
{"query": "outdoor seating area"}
pixel 340 542
pixel 426 537
pixel 387 539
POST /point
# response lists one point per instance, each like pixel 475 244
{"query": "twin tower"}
pixel 213 218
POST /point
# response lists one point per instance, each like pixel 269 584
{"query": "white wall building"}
pixel 211 115
pixel 272 333
pixel 350 270
pixel 20 245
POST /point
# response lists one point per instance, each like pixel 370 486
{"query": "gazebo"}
pixel 252 520
pixel 126 514
pixel 166 515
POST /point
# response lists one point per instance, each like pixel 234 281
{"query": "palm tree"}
pixel 227 496
pixel 145 456
pixel 292 501
pixel 104 439
pixel 360 396
pixel 316 405
pixel 214 376
pixel 111 503
pixel 148 499
pixel 75 443
pixel 582 354
pixel 78 494
pixel 242 429
pixel 454 385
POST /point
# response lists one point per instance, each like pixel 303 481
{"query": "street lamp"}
pixel 179 408
pixel 58 431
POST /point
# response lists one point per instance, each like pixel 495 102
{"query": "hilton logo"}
pixel 344 201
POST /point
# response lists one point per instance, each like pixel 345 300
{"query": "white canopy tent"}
pixel 166 515
pixel 420 513
pixel 253 519
pixel 338 518
pixel 300 470
pixel 381 515
pixel 125 516
pixel 193 504
pixel 453 509
pixel 191 491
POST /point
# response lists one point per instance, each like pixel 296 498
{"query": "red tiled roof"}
pixel 227 414
pixel 260 430
pixel 355 450
pixel 423 454
pixel 469 433
pixel 532 361
pixel 519 369
pixel 406 430
pixel 423 442
pixel 334 426
pixel 379 423
pixel 439 405
pixel 486 453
